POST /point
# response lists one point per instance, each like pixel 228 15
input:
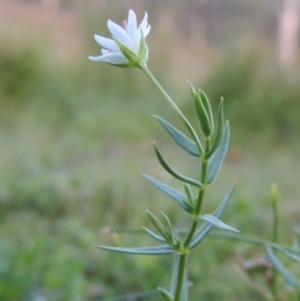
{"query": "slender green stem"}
pixel 174 106
pixel 190 234
pixel 182 262
pixel 203 178
pixel 181 275
pixel 207 144
pixel 200 197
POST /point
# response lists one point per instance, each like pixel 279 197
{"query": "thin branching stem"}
pixel 174 107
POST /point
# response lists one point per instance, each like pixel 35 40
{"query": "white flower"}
pixel 128 47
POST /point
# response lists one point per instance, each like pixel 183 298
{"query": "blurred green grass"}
pixel 76 137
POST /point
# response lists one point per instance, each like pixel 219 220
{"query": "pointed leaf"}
pixel 220 129
pixel 216 160
pixel 207 107
pixel 158 225
pixel 154 235
pixel 175 174
pixel 170 231
pixel 182 140
pixel 217 223
pixel 189 193
pixel 157 250
pixel 287 276
pixel 190 207
pixel 167 296
pixel 177 196
pixel 205 229
pixel 203 115
pixel 202 110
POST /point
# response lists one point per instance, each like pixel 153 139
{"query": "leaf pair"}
pixel 167 233
pixel 211 222
pixel 203 110
pixel 215 155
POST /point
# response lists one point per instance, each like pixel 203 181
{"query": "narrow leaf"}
pixel 167 296
pixel 158 225
pixel 220 129
pixel 217 223
pixel 182 140
pixel 154 235
pixel 175 174
pixel 205 229
pixel 177 196
pixel 156 250
pixel 189 193
pixel 207 107
pixel 170 231
pixel 216 160
pixel 287 253
pixel 203 116
pixel 287 276
pixel 190 207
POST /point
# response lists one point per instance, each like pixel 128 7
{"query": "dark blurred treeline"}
pixel 244 51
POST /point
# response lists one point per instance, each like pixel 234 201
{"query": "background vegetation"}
pixel 75 137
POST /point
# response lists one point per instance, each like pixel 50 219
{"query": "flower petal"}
pixel 108 44
pixel 143 28
pixel 119 33
pixel 144 24
pixel 146 31
pixel 111 57
pixel 132 24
